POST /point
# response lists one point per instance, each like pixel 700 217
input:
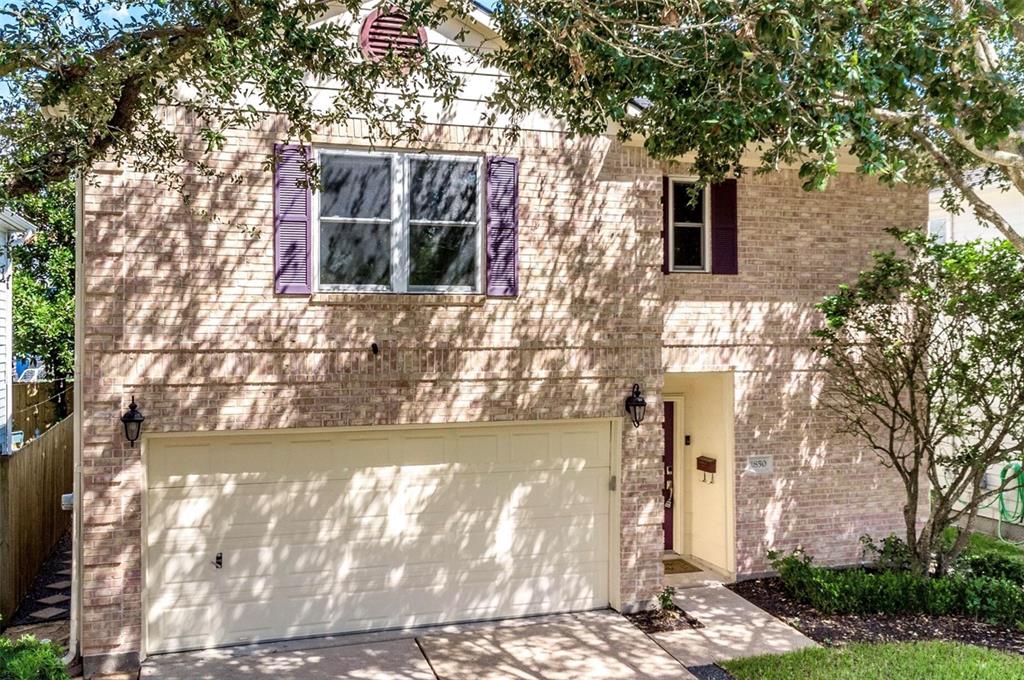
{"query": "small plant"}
pixel 665 598
pixel 30 659
pixel 892 555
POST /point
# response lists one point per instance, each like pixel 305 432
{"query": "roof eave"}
pixel 13 223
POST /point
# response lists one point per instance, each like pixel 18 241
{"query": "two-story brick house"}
pixel 403 403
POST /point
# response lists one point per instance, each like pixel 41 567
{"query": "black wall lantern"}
pixel 636 406
pixel 132 420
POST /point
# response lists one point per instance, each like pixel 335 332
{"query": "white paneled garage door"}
pixel 296 533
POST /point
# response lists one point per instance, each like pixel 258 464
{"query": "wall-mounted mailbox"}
pixel 706 464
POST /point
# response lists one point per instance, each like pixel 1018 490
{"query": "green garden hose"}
pixel 1012 512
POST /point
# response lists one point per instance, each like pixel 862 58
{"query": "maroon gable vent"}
pixel 383 31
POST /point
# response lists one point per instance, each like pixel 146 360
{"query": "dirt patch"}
pixel 835 630
pixel 663 620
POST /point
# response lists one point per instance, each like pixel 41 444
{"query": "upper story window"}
pixel 399 222
pixel 689 236
pixel 937 229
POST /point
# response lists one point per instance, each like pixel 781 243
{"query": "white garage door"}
pixel 297 533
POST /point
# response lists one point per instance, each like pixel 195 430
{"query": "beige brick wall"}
pixel 181 313
pixel 794 247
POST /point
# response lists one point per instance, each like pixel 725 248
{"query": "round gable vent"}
pixel 382 31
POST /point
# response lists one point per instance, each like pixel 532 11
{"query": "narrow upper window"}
pixel 689 232
pixel 396 222
pixel 937 229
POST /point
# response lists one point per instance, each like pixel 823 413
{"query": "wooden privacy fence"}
pixel 31 519
pixel 38 405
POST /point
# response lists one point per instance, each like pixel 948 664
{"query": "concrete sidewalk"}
pixel 733 628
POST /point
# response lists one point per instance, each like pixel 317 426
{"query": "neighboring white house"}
pixel 12 226
pixel 966 226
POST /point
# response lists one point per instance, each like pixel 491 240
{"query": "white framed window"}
pixel 937 229
pixel 689 234
pixel 397 222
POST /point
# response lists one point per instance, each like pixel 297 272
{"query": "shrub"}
pixel 992 565
pixel 858 591
pixel 892 555
pixel 29 659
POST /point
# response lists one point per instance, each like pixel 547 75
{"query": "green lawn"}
pixel 902 661
pixel 980 544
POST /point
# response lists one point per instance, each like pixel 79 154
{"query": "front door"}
pixel 669 464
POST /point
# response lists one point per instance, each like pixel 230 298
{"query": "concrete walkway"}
pixel 598 645
pixel 733 628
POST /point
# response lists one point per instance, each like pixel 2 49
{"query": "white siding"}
pixel 966 227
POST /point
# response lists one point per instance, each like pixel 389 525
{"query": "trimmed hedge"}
pixel 858 591
pixel 993 565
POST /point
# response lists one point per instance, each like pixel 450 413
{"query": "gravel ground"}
pixel 834 630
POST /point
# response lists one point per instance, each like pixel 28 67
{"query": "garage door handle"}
pixel 218 561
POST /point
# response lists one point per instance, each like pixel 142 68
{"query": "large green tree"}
pixel 926 91
pixel 87 79
pixel 924 355
pixel 44 279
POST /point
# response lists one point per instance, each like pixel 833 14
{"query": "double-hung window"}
pixel 399 222
pixel 689 235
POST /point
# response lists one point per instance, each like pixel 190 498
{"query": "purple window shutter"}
pixel 666 224
pixel 724 228
pixel 292 217
pixel 502 226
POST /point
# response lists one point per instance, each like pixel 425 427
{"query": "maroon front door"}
pixel 669 463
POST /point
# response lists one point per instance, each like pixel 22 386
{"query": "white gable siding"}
pixel 463 41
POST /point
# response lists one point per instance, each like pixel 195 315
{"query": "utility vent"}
pixel 383 31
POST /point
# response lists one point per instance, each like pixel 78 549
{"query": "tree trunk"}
pixel 919 544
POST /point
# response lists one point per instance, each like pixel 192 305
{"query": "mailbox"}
pixel 706 464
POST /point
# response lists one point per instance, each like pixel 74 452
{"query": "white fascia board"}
pixel 12 222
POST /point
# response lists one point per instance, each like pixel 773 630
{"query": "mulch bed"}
pixel 836 630
pixel 663 620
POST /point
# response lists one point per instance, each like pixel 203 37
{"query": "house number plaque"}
pixel 761 465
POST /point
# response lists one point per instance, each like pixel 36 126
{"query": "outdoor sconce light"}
pixel 636 406
pixel 132 420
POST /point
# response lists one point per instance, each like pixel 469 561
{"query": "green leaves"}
pixel 798 81
pixel 110 76
pixel 924 355
pixel 44 279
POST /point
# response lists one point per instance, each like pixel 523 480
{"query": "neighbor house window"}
pixel 399 222
pixel 689 234
pixel 937 229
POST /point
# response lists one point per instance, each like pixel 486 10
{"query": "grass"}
pixel 980 544
pixel 898 661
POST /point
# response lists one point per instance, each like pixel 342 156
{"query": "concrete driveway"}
pixel 595 645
